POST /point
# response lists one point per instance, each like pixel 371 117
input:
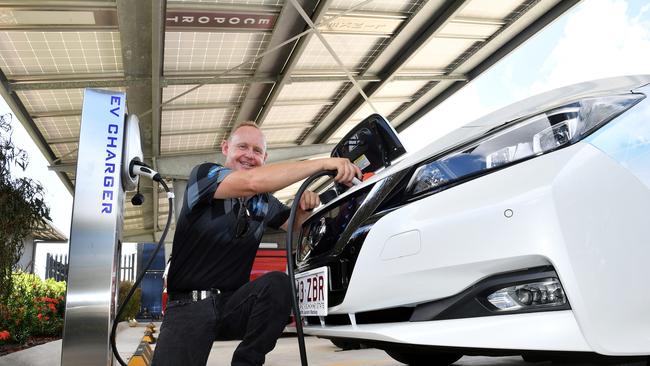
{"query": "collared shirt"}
pixel 206 252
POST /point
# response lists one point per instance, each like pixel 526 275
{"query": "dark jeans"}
pixel 256 313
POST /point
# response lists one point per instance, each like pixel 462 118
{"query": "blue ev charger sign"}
pixel 96 229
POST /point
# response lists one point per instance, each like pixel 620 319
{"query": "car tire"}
pixel 415 358
pixel 345 344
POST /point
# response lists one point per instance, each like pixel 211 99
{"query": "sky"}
pixel 595 39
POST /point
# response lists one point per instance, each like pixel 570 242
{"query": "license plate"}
pixel 312 291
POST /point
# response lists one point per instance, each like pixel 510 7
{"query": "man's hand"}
pixel 345 170
pixel 309 200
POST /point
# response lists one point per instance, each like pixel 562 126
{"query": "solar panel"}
pixel 311 90
pixel 199 142
pixel 53 99
pixel 407 6
pixel 238 2
pixel 487 9
pixel 59 127
pixel 355 52
pixel 438 53
pixel 215 93
pixel 196 119
pixel 384 108
pixel 284 136
pixel 400 88
pixel 285 114
pixel 66 152
pixel 469 29
pixel 205 51
pixel 34 53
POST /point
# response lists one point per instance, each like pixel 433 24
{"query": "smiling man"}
pixel 219 229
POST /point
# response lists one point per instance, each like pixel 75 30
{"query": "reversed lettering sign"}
pixel 219 20
pixel 361 25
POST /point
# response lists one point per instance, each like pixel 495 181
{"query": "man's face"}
pixel 246 149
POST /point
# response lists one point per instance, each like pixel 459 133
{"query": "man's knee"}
pixel 278 286
pixel 277 280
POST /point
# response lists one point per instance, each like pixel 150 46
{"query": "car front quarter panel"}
pixel 575 209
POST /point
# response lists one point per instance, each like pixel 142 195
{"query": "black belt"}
pixel 195 295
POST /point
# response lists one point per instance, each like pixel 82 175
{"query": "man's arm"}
pixel 308 201
pixel 272 177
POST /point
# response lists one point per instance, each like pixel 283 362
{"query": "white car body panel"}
pixel 548 213
pixel 583 210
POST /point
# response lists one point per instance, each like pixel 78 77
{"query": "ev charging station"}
pixel 108 142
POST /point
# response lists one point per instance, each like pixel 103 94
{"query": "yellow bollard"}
pixel 142 356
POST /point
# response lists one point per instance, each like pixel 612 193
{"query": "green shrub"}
pixel 33 308
pixel 132 308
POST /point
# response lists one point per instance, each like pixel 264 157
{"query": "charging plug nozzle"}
pixel 137 167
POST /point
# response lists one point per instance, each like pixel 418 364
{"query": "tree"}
pixel 22 204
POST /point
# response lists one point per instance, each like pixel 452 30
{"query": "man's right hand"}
pixel 345 170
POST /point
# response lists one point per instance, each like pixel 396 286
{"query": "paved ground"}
pixel 320 353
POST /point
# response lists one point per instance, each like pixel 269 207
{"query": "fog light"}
pixel 546 293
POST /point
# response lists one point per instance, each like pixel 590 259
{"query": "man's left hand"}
pixel 309 200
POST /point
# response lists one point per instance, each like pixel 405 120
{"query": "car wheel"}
pixel 345 343
pixel 415 358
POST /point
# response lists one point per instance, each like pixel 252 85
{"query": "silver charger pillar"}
pixel 97 218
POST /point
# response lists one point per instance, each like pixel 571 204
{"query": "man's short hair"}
pixel 243 124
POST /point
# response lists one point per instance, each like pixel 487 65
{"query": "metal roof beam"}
pixel 430 75
pixel 202 131
pixel 478 21
pixel 56 4
pixel 44 114
pixel 157 50
pixel 168 166
pixel 411 37
pixel 64 140
pixel 167 81
pixel 57 28
pixel 136 24
pixel 73 84
pixel 182 5
pixel 67 77
pixel 317 16
pixel 182 107
pixel 229 105
pixel 288 24
pixel 157 56
pixel 179 167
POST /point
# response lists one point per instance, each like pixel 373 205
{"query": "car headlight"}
pixel 520 140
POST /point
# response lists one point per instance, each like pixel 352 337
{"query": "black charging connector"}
pixel 294 298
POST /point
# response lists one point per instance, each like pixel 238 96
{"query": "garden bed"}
pixel 6 349
pixel 32 313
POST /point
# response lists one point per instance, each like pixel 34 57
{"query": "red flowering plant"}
pixel 33 308
pixel 4 335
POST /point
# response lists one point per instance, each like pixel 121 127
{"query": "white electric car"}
pixel 526 232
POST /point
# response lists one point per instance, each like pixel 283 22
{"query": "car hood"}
pixel 525 108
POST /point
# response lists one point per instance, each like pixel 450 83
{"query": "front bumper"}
pixel 556 331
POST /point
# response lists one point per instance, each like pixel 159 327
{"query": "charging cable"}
pixel 139 168
pixel 294 298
